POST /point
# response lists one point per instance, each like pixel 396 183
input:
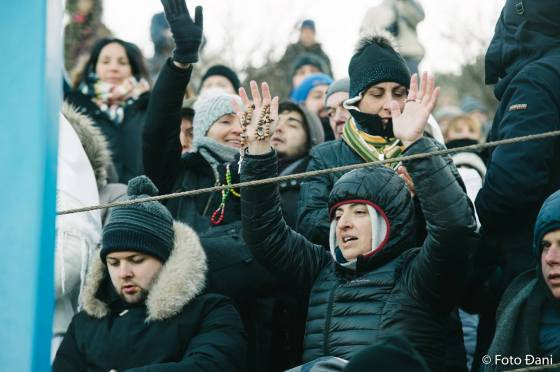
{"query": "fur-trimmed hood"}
pixel 182 277
pixel 93 141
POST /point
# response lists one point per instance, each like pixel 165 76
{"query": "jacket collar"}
pixel 182 278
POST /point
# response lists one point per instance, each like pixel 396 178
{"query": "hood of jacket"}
pixel 314 127
pixel 547 220
pixel 181 279
pixel 386 192
pixel 525 31
pixel 93 141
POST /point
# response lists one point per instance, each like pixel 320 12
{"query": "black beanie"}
pixel 145 227
pixel 309 59
pixel 224 71
pixel 376 61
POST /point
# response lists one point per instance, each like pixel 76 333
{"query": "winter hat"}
pixel 471 104
pixel 300 93
pixel 221 70
pixel 309 59
pixel 379 231
pixel 548 219
pixel 376 61
pixel 392 353
pixel 308 23
pixel 340 85
pixel 158 27
pixel 209 107
pixel 145 227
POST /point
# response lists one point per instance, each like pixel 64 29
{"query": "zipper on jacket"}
pixel 326 332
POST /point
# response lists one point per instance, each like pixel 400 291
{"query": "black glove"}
pixel 186 33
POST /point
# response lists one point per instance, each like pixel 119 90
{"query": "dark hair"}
pixel 291 106
pixel 133 53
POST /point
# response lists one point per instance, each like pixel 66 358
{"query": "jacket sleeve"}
pixel 438 273
pixel 519 175
pixel 161 145
pixel 68 357
pixel 275 245
pixel 312 219
pixel 219 345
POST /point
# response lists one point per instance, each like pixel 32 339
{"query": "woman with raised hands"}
pixel 376 281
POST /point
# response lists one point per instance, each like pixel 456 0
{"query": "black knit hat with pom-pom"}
pixel 145 227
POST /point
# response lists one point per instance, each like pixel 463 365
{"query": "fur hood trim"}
pixel 182 277
pixel 93 141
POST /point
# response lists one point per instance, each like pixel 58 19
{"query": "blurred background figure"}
pixel 113 90
pixel 307 64
pixel 445 114
pixel 83 30
pixel 337 93
pixel 311 94
pixel 307 43
pixel 163 44
pixel 475 109
pixel 220 77
pixel 400 18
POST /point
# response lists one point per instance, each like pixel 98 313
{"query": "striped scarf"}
pixel 371 148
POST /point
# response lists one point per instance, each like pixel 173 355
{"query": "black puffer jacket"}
pixel 125 139
pixel 523 60
pixel 398 290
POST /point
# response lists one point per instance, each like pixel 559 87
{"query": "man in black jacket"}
pixel 143 308
pixel 374 282
pixel 523 60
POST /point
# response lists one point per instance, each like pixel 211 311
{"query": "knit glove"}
pixel 186 33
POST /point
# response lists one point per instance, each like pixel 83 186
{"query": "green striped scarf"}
pixel 371 148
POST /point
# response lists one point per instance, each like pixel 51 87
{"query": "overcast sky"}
pixel 453 30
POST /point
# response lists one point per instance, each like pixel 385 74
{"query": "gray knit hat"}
pixel 145 227
pixel 340 85
pixel 209 107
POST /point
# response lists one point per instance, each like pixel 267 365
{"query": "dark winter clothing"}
pixel 528 318
pixel 233 271
pixel 393 354
pixel 524 60
pixel 293 51
pixel 397 290
pixel 125 139
pixel 176 329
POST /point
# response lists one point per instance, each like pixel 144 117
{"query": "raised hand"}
pixel 263 112
pixel 409 125
pixel 186 33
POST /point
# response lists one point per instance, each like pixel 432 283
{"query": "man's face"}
pixel 186 134
pixel 302 72
pixel 338 115
pixel 353 230
pixel 132 274
pixel 307 37
pixel 289 138
pixel 550 261
pixel 315 101
pixel 376 99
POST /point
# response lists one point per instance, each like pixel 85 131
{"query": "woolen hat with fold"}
pixel 145 227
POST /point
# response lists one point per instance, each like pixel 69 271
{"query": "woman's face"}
pixel 113 66
pixel 226 130
pixel 376 99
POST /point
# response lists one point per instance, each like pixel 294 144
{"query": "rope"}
pixel 531 137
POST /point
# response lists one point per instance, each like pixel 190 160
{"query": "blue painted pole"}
pixel 30 95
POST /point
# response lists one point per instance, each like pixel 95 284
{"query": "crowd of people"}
pixel 440 263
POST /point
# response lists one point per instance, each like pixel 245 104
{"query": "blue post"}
pixel 30 96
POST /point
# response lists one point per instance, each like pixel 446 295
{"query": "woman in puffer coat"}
pixel 375 282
